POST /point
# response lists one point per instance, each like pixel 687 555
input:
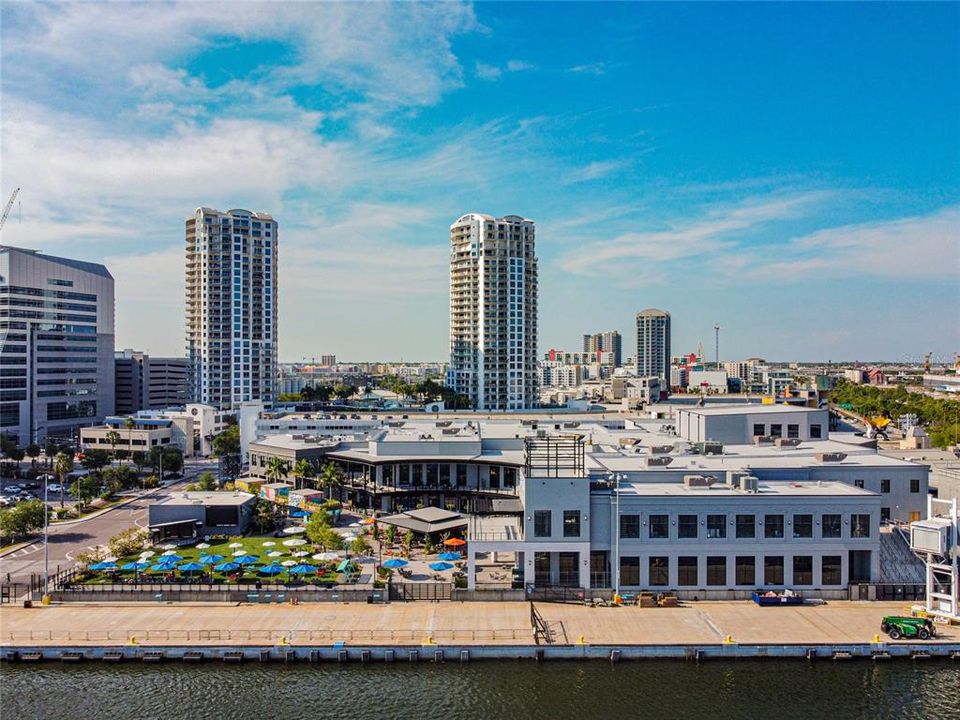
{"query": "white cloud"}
pixel 519 66
pixel 597 68
pixel 488 72
pixel 595 170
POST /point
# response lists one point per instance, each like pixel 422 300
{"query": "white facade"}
pixel 56 345
pixel 493 312
pixel 231 272
pixel 709 380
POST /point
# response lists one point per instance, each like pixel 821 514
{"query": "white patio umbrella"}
pixel 294 542
pixel 169 552
pixel 147 554
pixel 203 546
pixel 168 546
pixel 300 553
pixel 238 553
pixel 294 529
pixel 235 545
pixel 110 559
pixel 289 563
pixel 326 556
pixel 269 543
pixel 274 553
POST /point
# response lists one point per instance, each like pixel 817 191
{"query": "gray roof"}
pixel 426 520
pixel 89 267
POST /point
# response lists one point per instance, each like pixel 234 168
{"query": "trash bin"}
pixel 45 600
pixel 28 603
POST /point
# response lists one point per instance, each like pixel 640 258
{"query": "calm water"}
pixel 488 690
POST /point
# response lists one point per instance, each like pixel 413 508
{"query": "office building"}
pixel 150 383
pixel 653 345
pixel 56 345
pixel 231 306
pixel 608 342
pixel 493 312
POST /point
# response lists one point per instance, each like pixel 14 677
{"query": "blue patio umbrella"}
pixel 163 567
pixel 299 513
pixel 192 567
pixel 226 567
pixel 438 566
pixel 209 559
pixel 135 566
pixel 272 569
pixel 303 569
pixel 395 563
pixel 247 560
pixel 450 556
pixel 104 566
pixel 167 559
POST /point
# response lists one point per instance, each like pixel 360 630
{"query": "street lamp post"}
pixel 46 549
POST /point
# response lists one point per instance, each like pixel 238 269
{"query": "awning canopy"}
pixel 173 523
pixel 426 520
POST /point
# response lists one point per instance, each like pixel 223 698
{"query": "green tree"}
pixel 316 525
pixel 276 468
pixel 265 515
pixel 360 545
pixel 85 489
pixel 342 391
pixel 128 542
pixel 330 476
pixel 32 451
pixel 62 466
pixel 207 482
pixel 303 471
pixel 172 459
pixel 226 446
pixel 22 519
pixel 139 459
pixel 113 437
pixel 95 460
pixel 289 397
pixel 329 539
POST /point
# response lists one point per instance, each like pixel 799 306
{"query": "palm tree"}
pixel 62 466
pixel 303 470
pixel 276 469
pixel 331 475
pixel 113 437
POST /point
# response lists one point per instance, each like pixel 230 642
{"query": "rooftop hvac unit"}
pixel 933 535
pixel 749 484
pixel 660 461
pixel 762 439
pixel 733 477
pixel 661 449
pixel 698 481
pixel 786 442
pixel 831 457
pixel 711 448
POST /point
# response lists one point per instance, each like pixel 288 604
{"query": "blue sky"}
pixel 789 171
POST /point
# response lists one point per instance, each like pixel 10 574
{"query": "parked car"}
pixel 12 490
pixel 53 488
pixel 898 626
pixel 6 502
pixel 26 496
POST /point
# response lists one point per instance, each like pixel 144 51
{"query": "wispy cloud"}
pixel 596 68
pixel 488 72
pixel 596 170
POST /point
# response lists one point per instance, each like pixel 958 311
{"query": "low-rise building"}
pixel 197 514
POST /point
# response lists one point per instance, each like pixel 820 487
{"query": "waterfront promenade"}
pixel 463 624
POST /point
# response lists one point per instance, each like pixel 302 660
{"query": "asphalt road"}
pixel 65 541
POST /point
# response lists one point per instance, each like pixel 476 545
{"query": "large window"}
pixel 746 526
pixel 914 485
pixel 659 527
pixel 659 571
pixel 716 526
pixel 776 430
pixel 716 570
pixel 803 570
pixel 860 525
pixel 773 570
pixel 494 477
pixel 461 475
pixel 571 523
pixel 629 571
pixel 630 526
pixel 832 526
pixel 803 526
pixel 793 431
pixel 773 526
pixel 687 570
pixel 687 526
pixel 746 570
pixel 758 429
pixel 815 432
pixel 884 485
pixel 830 570
pixel 416 474
pixel 542 520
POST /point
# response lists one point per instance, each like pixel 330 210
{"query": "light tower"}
pixel 716 345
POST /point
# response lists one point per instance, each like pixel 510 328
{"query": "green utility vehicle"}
pixel 898 626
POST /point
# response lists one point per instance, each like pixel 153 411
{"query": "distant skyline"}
pixel 787 171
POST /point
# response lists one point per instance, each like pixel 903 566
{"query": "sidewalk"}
pixel 467 623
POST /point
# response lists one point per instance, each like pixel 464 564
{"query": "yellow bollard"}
pixel 581 640
pixel 728 640
pixel 45 600
pixel 876 639
pixel 133 639
pixel 283 639
pixel 429 640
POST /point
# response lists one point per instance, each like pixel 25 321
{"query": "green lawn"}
pixel 253 546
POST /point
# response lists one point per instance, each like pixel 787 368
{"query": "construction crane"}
pixel 6 210
pixel 926 362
